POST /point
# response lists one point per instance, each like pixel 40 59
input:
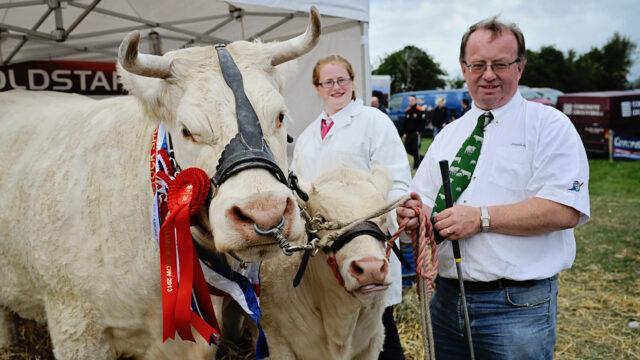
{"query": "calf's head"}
pixel 344 194
pixel 186 91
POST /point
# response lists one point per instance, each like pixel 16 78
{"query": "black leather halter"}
pixel 248 149
pixel 372 229
pixel 366 228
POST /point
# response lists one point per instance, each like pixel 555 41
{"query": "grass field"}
pixel 599 297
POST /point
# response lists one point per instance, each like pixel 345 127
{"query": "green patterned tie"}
pixel 464 163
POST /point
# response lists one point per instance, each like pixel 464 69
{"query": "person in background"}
pixel 349 134
pixel 520 185
pixel 440 116
pixel 414 123
pixel 375 103
pixel 465 106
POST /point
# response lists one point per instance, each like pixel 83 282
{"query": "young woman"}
pixel 348 133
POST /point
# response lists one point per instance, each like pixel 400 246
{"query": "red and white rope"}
pixel 425 254
pixel 425 257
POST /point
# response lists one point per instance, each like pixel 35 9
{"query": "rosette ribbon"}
pixel 183 282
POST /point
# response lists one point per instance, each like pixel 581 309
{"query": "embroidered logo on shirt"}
pixel 576 186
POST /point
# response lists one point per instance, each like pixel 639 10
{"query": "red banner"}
pixel 81 77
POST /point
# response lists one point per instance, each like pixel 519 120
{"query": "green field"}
pixel 600 295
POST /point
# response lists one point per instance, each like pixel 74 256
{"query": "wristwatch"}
pixel 485 219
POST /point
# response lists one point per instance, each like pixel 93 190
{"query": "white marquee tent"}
pixel 91 30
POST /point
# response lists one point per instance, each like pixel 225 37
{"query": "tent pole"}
pixel 366 65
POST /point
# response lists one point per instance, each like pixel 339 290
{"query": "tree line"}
pixel 599 69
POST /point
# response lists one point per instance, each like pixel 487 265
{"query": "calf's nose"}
pixel 369 270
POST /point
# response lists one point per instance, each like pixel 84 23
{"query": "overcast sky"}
pixel 436 26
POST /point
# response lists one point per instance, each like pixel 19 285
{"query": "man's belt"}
pixel 489 285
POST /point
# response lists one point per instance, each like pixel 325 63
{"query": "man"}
pixel 375 102
pixel 465 106
pixel 414 122
pixel 515 215
pixel 440 116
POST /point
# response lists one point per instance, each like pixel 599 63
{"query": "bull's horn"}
pixel 142 64
pixel 300 45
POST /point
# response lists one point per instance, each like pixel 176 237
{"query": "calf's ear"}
pixel 381 179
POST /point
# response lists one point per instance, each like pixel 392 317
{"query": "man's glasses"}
pixel 480 68
pixel 329 83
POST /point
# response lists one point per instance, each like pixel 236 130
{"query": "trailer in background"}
pixel 604 118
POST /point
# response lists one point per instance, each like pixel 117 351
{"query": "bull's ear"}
pixel 381 179
pixel 141 86
pixel 148 90
pixel 142 74
pixel 286 73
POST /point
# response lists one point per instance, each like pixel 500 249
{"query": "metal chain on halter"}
pixel 338 228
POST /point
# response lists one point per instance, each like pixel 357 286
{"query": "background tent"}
pixel 91 30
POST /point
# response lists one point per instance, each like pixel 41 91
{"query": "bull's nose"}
pixel 369 270
pixel 263 210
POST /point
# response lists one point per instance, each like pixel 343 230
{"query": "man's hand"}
pixel 405 213
pixel 457 222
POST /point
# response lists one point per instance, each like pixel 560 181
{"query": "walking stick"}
pixel 448 198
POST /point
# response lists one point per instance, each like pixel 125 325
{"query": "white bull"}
pixel 321 319
pixel 76 244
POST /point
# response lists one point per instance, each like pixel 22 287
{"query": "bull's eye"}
pixel 186 133
pixel 280 119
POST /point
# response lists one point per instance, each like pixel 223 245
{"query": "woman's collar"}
pixel 352 108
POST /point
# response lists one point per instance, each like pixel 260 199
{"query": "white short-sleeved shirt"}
pixel 529 150
pixel 360 138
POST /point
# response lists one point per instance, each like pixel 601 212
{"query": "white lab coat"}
pixel 360 138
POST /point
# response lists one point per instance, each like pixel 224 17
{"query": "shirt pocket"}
pixel 511 167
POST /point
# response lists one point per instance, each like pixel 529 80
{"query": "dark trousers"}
pixel 392 349
pixel 412 146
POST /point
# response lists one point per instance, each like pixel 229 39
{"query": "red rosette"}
pixel 190 186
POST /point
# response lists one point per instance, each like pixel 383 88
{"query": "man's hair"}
pixel 465 101
pixel 413 96
pixel 497 28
